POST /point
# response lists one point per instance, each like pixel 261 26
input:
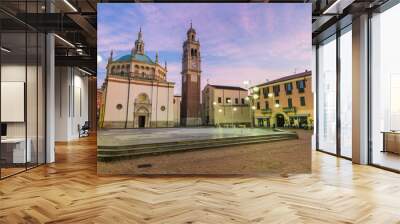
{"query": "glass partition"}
pixel 22 90
pixel 385 89
pixel 327 95
pixel 13 90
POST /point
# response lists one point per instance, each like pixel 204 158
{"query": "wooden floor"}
pixel 69 191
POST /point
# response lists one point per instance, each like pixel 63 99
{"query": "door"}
pixel 142 121
pixel 260 122
pixel 280 120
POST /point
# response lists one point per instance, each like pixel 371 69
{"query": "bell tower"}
pixel 191 70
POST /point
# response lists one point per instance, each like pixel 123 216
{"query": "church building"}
pixel 136 92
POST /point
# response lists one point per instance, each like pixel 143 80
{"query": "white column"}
pixel 360 89
pixel 313 89
pixel 50 99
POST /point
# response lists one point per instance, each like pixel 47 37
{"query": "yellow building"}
pixel 284 102
pixel 225 106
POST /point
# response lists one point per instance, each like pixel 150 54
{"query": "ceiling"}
pixel 75 22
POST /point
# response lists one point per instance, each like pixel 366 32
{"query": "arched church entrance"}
pixel 142 111
pixel 142 118
pixel 142 121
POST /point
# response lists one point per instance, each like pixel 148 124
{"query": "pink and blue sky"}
pixel 255 42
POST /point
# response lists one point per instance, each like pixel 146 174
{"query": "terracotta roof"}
pixel 228 87
pixel 286 78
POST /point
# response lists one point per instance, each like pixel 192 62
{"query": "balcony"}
pixel 289 109
pixel 266 111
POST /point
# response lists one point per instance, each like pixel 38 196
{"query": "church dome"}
pixel 138 57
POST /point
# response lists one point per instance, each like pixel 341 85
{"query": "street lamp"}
pixel 255 96
pixel 256 89
pixel 231 102
pixel 220 111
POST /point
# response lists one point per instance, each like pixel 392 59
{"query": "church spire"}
pixel 157 57
pixel 111 56
pixel 191 33
pixel 140 34
pixel 139 44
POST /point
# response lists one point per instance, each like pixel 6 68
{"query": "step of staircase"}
pixel 113 153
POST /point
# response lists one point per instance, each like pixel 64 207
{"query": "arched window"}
pixel 192 36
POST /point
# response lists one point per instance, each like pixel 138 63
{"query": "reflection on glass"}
pixel 385 85
pixel 346 94
pixel 327 96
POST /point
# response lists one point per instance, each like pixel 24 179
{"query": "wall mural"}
pixel 195 92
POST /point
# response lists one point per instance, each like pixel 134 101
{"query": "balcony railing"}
pixel 289 109
pixel 266 111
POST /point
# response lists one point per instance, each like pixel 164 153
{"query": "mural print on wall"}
pixel 204 88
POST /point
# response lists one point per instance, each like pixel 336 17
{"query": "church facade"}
pixel 136 92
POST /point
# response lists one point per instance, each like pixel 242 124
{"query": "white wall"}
pixel 117 93
pixel 71 102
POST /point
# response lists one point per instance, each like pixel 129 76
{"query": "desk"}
pixel 391 141
pixel 13 150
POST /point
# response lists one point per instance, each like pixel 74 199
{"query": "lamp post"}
pixel 231 102
pixel 219 110
pixel 233 110
pixel 246 84
pixel 214 104
pixel 254 96
pixel 253 109
pixel 272 96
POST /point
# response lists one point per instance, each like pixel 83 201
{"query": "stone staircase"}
pixel 122 152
